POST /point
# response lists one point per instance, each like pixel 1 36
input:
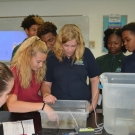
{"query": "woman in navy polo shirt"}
pixel 68 67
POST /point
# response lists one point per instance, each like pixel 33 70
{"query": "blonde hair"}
pixel 22 58
pixel 38 20
pixel 69 32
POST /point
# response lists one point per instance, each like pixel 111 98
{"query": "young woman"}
pixel 68 68
pixel 128 36
pixel 112 61
pixel 6 82
pixel 28 67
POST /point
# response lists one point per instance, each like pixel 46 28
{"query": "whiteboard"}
pixel 9 24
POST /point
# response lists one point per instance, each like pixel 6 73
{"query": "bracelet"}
pixel 43 106
pixel 46 95
pixel 100 86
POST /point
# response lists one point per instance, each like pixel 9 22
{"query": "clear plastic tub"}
pixel 71 114
pixel 118 102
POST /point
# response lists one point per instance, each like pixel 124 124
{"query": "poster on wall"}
pixel 113 21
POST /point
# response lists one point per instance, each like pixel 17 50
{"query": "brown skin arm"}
pixel 46 92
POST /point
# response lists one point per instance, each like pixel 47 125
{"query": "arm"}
pixel 15 105
pixel 95 91
pixel 46 92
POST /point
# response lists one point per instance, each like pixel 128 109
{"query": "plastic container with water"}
pixel 119 103
pixel 71 114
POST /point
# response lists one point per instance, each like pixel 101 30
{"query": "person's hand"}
pixel 90 108
pixel 49 99
pixel 52 116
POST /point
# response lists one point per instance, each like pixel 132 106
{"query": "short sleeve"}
pixel 98 60
pixel 49 72
pixel 92 66
pixel 16 82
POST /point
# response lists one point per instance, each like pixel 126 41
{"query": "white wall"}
pixel 95 9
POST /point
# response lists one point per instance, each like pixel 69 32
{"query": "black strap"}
pixel 43 106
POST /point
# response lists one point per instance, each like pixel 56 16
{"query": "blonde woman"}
pixel 28 67
pixel 68 68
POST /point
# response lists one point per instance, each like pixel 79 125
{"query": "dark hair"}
pixel 46 28
pixel 5 76
pixel 130 27
pixel 109 32
pixel 31 20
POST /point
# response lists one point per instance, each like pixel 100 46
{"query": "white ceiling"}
pixel 21 0
pixel 53 0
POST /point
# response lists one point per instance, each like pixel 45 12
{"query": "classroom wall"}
pixel 94 9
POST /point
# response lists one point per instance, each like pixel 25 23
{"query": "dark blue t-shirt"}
pixel 128 65
pixel 69 79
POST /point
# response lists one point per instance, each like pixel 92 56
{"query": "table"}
pixel 7 116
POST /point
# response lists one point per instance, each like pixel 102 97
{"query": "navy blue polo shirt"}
pixel 128 65
pixel 69 79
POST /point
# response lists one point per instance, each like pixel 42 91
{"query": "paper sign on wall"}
pixel 113 21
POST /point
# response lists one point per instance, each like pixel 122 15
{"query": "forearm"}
pixel 21 106
pixel 45 89
pixel 46 93
pixel 95 95
pixel 95 92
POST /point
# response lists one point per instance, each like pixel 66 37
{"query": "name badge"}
pixel 80 62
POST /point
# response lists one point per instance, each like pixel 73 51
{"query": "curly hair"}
pixel 31 20
pixel 69 32
pixel 22 58
pixel 46 28
pixel 5 76
pixel 129 27
pixel 111 31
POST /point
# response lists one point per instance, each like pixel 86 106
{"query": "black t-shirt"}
pixel 69 79
pixel 128 65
